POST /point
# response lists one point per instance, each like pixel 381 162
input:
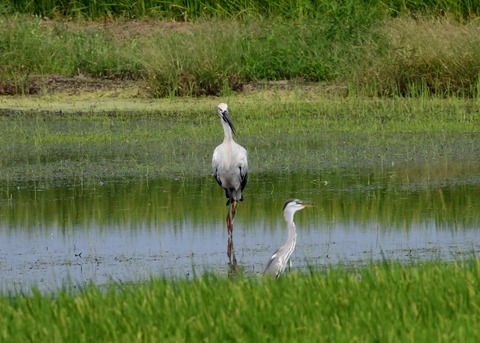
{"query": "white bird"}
pixel 230 164
pixel 281 258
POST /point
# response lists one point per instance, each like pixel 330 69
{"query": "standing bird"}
pixel 230 165
pixel 280 258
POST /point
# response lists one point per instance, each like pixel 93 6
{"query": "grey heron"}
pixel 280 258
pixel 230 165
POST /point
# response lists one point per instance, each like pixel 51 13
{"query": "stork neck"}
pixel 227 131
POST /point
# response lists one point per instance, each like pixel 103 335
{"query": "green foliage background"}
pixel 405 48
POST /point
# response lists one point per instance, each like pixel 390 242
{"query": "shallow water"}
pixel 129 229
pixel 81 203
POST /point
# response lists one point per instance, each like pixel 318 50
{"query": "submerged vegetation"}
pixel 386 303
pixel 174 139
pixel 170 48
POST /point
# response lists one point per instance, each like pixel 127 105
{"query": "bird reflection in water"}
pixel 232 260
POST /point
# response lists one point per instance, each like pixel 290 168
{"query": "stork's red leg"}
pixel 229 224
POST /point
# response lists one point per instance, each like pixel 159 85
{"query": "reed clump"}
pixel 180 48
pixel 423 56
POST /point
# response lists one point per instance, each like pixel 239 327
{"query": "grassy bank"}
pixel 403 48
pixel 85 140
pixel 387 302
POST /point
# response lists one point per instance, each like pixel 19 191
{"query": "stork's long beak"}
pixel 226 118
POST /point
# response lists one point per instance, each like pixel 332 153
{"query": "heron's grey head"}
pixel 222 109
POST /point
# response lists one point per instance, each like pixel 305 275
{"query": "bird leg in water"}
pixel 229 223
pixel 231 210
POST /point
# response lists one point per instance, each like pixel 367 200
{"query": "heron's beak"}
pixel 234 204
pixel 307 204
pixel 227 119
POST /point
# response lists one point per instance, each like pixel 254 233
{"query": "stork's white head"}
pixel 222 109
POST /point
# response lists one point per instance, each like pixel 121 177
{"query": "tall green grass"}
pixel 423 56
pixel 190 9
pixel 33 49
pixel 217 56
pixel 357 47
pixel 386 302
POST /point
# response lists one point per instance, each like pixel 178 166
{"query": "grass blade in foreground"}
pixel 387 302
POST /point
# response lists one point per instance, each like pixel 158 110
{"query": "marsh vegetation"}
pixel 387 302
pixel 215 48
pixel 112 228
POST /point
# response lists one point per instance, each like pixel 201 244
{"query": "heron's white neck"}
pixel 292 229
pixel 292 232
